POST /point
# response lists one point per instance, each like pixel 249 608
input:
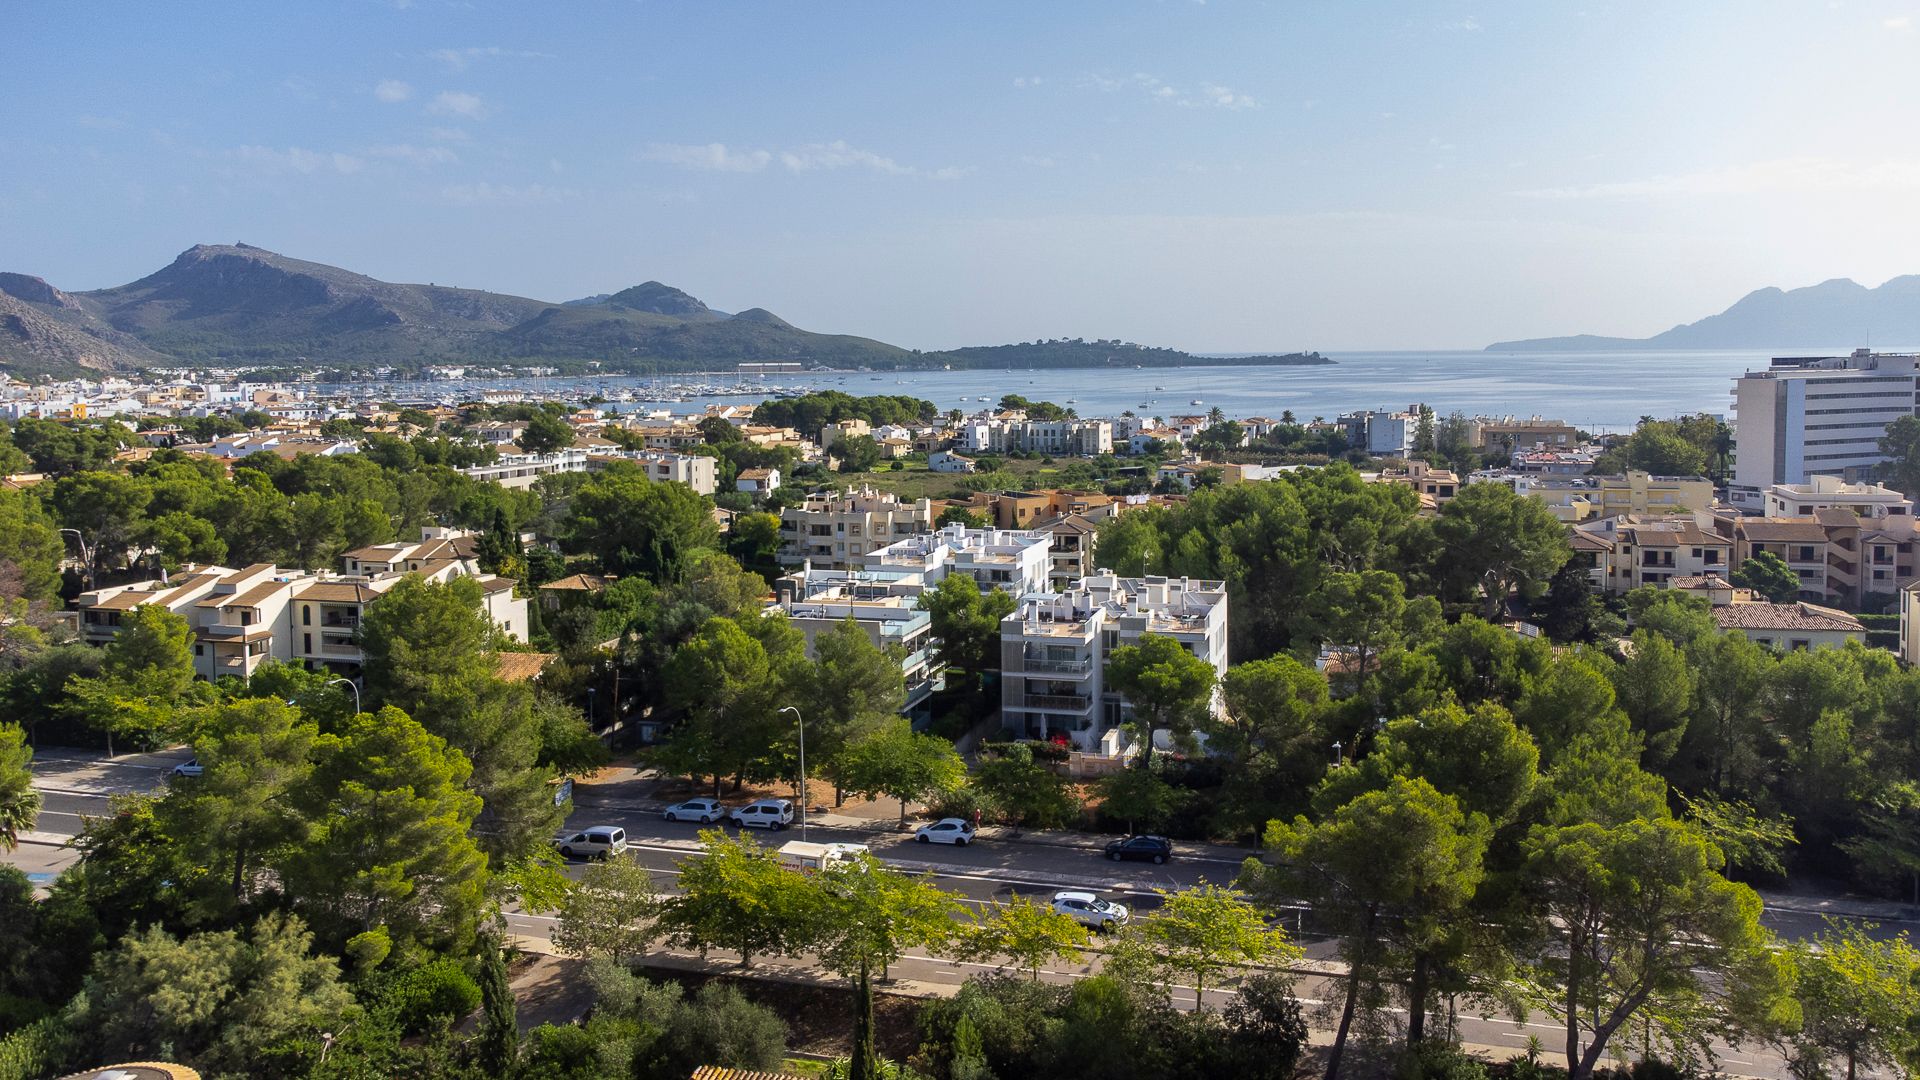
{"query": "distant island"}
pixel 1837 314
pixel 239 306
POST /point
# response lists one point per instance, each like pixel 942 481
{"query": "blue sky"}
pixel 1228 175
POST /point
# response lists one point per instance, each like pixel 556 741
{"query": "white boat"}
pixel 1195 401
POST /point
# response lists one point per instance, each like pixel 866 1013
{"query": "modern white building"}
pixel 884 605
pixel 1011 560
pixel 1067 438
pixel 1382 433
pixel 522 470
pixel 1821 414
pixel 1054 649
pixel 1866 500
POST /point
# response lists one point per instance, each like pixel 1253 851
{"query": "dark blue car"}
pixel 1153 849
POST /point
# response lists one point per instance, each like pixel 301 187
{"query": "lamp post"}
pixel 351 685
pixel 592 693
pixel 86 556
pixel 800 720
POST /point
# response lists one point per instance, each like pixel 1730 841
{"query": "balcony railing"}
pixel 1055 667
pixel 1069 702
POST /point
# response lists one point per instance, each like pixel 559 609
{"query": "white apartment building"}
pixel 1379 432
pixel 522 470
pixel 1825 414
pixel 1865 500
pixel 836 530
pixel 697 471
pixel 1011 560
pixel 1054 648
pixel 884 605
pixel 1065 438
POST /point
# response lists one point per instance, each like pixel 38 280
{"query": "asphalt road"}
pixel 76 785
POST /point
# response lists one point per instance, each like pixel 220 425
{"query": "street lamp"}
pixel 85 555
pixel 1337 759
pixel 592 692
pixel 351 685
pixel 798 719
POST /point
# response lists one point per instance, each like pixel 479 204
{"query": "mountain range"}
pixel 1836 314
pixel 243 306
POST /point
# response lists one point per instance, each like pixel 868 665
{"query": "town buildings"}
pixel 837 529
pixel 1575 499
pixel 1825 414
pixel 1054 647
pixel 1011 560
pixel 1791 627
pixel 1060 438
pixel 883 604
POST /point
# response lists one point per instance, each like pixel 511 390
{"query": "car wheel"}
pixel 566 853
pixel 1115 856
pixel 776 826
pixel 1158 859
pixel 673 817
pixel 961 842
pixel 924 838
pixel 707 820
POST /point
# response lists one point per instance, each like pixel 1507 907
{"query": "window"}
pixel 1798 644
pixel 306 614
pixel 306 642
pixel 199 650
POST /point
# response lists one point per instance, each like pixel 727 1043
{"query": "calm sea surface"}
pixel 1595 391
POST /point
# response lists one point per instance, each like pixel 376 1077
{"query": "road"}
pixel 76 785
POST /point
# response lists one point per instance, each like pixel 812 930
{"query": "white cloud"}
pixel 1800 175
pixel 808 157
pixel 1466 25
pixel 716 157
pixel 297 159
pixel 1211 95
pixel 1899 24
pixel 458 59
pixel 456 103
pixel 449 134
pixel 485 194
pixel 408 154
pixel 1024 81
pixel 391 90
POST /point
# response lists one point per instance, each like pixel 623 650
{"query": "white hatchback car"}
pixel 704 811
pixel 953 830
pixel 189 768
pixel 770 814
pixel 1090 911
pixel 595 842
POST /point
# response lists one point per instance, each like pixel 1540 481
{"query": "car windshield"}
pixel 1100 905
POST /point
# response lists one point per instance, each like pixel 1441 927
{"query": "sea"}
pixel 1598 392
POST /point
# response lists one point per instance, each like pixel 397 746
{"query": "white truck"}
pixel 813 858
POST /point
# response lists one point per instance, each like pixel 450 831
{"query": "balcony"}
pixel 1063 702
pixel 1036 666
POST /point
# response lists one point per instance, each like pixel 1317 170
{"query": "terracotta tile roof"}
pixel 236 577
pixel 1836 517
pixel 378 553
pixel 1782 530
pixel 1800 616
pixel 576 583
pixel 722 1072
pixel 335 592
pixel 127 601
pixel 497 584
pixel 1586 541
pixel 521 666
pixel 1687 535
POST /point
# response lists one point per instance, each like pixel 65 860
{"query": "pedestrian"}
pixel 976 819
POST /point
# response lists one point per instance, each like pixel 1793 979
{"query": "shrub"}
pixel 1265 1029
pixel 719 1026
pixel 432 996
pixel 1431 1059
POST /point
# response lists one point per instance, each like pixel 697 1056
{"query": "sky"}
pixel 1226 175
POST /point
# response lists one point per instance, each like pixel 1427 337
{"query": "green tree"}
pixel 391 846
pixel 754 540
pixel 608 912
pixel 1655 689
pixel 1168 688
pixel 1024 790
pixel 1207 933
pixel 30 542
pixel 966 623
pixel 1028 934
pixel 1140 798
pixel 240 813
pixel 634 526
pixel 1724 745
pixel 1859 1000
pixel 1765 573
pixel 216 1000
pixel 1901 446
pixel 546 433
pixel 727 691
pixel 1274 728
pixel 106 508
pixel 900 763
pixel 424 642
pixel 855 453
pixel 499 1032
pixel 1404 852
pixel 146 677
pixel 1638 914
pixel 737 896
pixel 868 917
pixel 1498 542
pixel 1368 613
pixel 19 802
pixel 852 689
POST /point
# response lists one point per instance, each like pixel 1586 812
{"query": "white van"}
pixel 596 842
pixel 813 858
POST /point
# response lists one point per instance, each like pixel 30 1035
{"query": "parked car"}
pixel 189 767
pixel 770 814
pixel 704 811
pixel 953 830
pixel 594 842
pixel 1090 911
pixel 1153 849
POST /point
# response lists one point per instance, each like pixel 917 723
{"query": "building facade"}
pixel 1826 414
pixel 837 530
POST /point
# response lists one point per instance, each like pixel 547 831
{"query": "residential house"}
pixel 757 481
pixel 1010 560
pixel 836 529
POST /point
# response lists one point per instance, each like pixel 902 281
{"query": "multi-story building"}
pixel 523 470
pixel 1007 559
pixel 885 606
pixel 1379 432
pixel 1838 556
pixel 1436 486
pixel 1792 627
pixel 1627 552
pixel 1868 500
pixel 1529 434
pixel 1065 438
pixel 697 471
pixel 837 529
pixel 1574 499
pixel 1823 414
pixel 1054 648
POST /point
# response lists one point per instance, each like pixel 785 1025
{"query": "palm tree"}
pixel 1215 415
pixel 19 802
